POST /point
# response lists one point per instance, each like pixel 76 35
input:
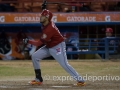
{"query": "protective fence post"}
pixel 106 49
pixel 89 44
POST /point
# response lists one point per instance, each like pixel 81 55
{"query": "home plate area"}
pixel 23 85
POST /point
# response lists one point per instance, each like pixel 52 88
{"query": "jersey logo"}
pixel 44 36
pixel 58 51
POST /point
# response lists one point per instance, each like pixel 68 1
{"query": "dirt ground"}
pixel 22 85
pixel 21 82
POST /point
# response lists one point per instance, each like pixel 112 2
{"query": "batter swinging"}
pixel 55 46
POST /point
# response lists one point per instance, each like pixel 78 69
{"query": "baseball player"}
pixel 54 46
pixel 108 33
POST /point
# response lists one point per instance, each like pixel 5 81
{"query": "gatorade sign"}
pixel 60 17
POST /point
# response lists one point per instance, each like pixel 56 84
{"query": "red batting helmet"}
pixel 109 30
pixel 47 13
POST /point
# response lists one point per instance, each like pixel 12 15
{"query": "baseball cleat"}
pixel 34 82
pixel 80 84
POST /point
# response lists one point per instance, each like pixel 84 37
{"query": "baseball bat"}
pixel 44 4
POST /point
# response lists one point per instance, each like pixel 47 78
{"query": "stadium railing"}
pixel 21 7
pixel 91 47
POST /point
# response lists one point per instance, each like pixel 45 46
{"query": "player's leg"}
pixel 59 53
pixel 36 57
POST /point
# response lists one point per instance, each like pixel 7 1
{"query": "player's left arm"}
pixel 33 42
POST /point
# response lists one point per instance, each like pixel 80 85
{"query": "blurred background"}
pixel 75 19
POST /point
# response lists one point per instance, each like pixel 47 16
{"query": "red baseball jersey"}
pixel 50 36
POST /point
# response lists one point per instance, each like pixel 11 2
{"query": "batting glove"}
pixel 25 41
